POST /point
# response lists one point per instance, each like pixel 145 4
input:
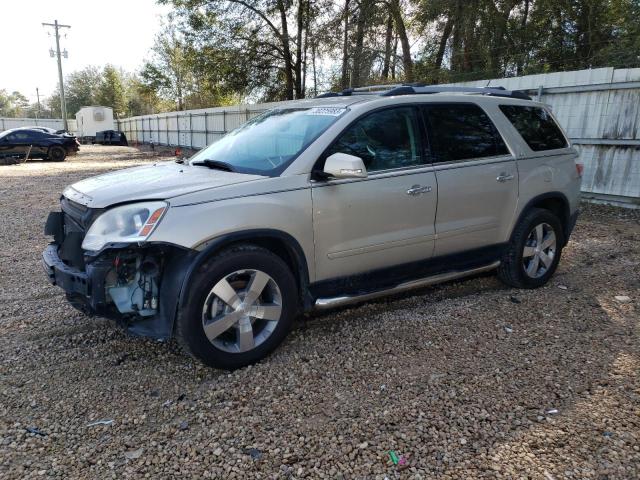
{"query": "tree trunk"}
pixel 387 48
pixel 313 66
pixel 356 70
pixel 442 46
pixel 456 47
pixel 305 50
pixel 299 49
pixel 407 62
pixel 288 63
pixel 344 81
pixel 394 57
pixel 520 62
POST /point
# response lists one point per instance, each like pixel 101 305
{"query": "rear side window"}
pixel 461 131
pixel 536 126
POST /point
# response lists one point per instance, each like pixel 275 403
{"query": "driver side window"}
pixel 385 140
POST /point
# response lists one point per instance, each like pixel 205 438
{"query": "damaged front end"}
pixel 137 284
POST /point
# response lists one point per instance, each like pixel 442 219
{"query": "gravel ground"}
pixel 465 380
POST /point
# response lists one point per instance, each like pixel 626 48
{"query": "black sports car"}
pixel 37 142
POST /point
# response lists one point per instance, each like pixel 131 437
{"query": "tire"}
pixel 57 153
pixel 525 264
pixel 216 331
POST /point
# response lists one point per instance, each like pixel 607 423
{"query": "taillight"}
pixel 580 169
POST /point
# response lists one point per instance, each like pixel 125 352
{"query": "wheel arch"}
pixel 555 202
pixel 278 242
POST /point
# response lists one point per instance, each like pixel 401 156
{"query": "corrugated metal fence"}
pixel 191 128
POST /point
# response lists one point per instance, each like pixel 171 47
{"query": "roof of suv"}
pixel 434 93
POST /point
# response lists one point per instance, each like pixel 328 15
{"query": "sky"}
pixel 119 32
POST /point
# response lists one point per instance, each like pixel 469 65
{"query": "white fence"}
pixel 191 128
pixel 55 123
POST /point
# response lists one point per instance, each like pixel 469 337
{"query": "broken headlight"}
pixel 127 223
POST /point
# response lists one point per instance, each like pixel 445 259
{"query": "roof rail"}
pixel 422 89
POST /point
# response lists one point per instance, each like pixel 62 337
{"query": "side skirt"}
pixel 362 287
pixel 334 302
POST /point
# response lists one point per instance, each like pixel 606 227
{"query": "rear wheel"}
pixel 57 153
pixel 240 307
pixel 534 251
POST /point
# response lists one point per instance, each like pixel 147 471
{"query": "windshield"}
pixel 267 144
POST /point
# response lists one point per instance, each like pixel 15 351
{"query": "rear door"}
pixel 477 178
pixel 386 219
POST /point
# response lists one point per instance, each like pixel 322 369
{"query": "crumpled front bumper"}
pixel 87 292
pixel 86 288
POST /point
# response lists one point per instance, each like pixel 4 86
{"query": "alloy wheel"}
pixel 539 250
pixel 242 311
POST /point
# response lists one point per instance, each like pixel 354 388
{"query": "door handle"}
pixel 503 177
pixel 419 189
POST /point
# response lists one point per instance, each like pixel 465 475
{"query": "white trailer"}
pixel 93 119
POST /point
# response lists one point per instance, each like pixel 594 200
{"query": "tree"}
pixel 81 88
pixel 13 104
pixel 111 90
pixel 266 40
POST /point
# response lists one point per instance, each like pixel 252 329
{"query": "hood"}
pixel 160 181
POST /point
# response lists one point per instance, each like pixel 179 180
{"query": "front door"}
pixel 385 219
pixel 477 178
pixel 14 145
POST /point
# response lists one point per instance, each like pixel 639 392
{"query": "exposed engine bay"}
pixel 133 283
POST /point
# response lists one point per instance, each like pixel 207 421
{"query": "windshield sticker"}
pixel 333 111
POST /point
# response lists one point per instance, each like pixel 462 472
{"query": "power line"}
pixel 63 106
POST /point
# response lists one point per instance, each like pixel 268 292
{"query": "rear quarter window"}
pixel 536 126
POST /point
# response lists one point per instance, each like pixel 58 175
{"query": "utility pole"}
pixel 63 106
pixel 38 95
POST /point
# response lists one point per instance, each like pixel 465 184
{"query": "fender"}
pixel 293 247
pixel 546 196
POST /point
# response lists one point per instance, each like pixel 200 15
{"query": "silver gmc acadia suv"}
pixel 316 204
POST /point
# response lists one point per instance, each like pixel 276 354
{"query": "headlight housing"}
pixel 128 223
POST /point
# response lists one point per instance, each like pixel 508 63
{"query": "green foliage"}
pixel 493 39
pixel 80 89
pixel 13 104
pixel 111 91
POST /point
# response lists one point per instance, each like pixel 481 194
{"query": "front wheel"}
pixel 240 307
pixel 534 251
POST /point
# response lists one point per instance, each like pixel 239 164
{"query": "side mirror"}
pixel 343 165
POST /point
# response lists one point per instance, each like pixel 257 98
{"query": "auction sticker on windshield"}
pixel 333 111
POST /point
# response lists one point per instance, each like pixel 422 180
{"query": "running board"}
pixel 334 302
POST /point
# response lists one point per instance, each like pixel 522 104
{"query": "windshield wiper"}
pixel 215 164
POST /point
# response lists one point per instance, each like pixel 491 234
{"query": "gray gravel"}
pixel 466 380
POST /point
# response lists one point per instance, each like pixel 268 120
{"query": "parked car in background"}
pixel 318 204
pixel 111 137
pixel 37 142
